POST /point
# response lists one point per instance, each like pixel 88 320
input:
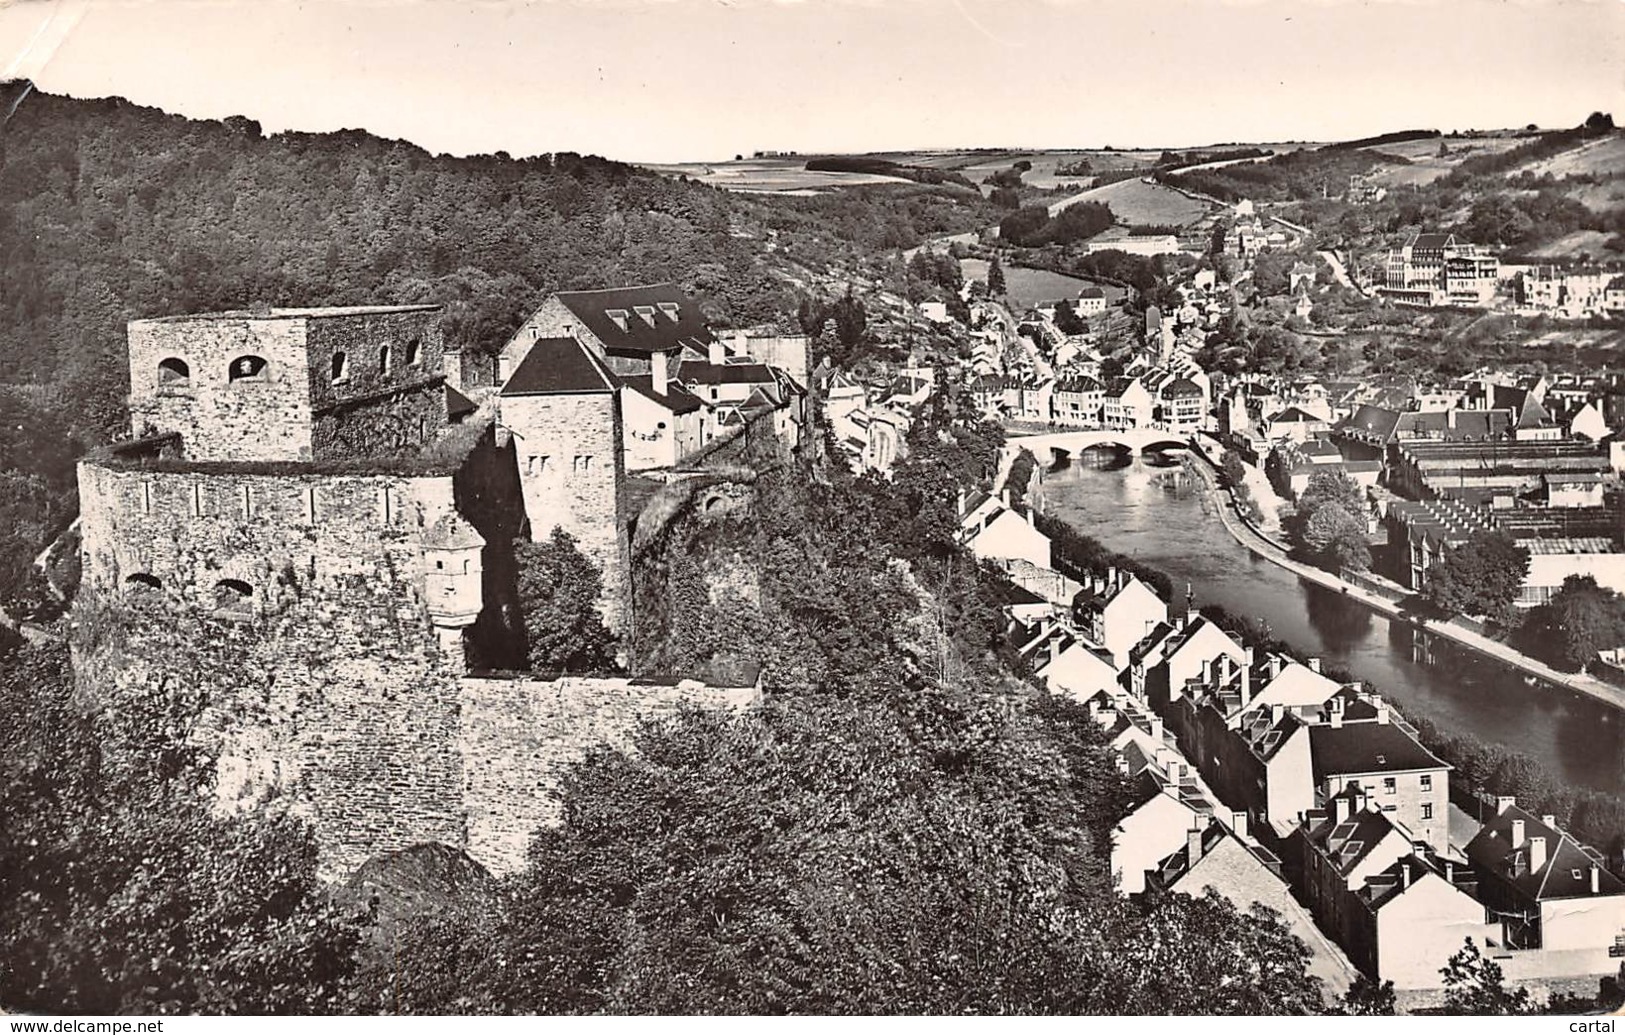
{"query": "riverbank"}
pixel 1262 545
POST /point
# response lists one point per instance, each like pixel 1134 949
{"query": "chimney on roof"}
pixel 1549 819
pixel 1450 871
pixel 1341 805
pixel 1004 497
pixel 1277 712
pixel 1334 714
pixel 1517 833
pixel 659 372
pixel 1382 712
pixel 1504 803
pixel 1537 854
pixel 1405 874
pixel 1314 665
pixel 1193 844
pixel 1156 730
pixel 1596 878
pixel 1238 823
pixel 716 353
pixel 740 344
pixel 1274 666
pixel 1054 647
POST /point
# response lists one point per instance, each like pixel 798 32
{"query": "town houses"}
pixel 1266 778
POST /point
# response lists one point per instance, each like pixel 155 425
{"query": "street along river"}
pixel 1156 515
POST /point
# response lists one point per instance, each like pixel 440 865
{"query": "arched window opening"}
pixel 174 373
pixel 143 586
pixel 383 358
pixel 246 368
pixel 233 596
pixel 341 366
pixel 414 352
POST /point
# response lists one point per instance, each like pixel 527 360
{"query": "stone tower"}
pixel 562 408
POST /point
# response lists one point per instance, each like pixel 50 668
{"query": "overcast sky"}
pixel 672 80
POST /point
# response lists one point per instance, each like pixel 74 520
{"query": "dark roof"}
pixel 1092 292
pixel 1350 841
pixel 458 404
pixel 1182 386
pixel 1567 873
pixel 558 366
pixel 660 333
pixel 676 399
pixel 1434 241
pixel 1367 747
pixel 1296 415
pixel 1010 593
pixel 725 374
pixel 1375 421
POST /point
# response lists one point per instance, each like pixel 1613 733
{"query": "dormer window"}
pixel 646 313
pixel 619 316
pixel 670 309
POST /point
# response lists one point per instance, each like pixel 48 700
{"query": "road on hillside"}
pixel 1340 273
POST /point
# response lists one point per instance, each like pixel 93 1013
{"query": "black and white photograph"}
pixel 861 508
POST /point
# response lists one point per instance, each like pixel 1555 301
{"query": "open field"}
pixel 769 175
pixel 1605 157
pixel 1569 246
pixel 1142 204
pixel 1426 165
pixel 1026 288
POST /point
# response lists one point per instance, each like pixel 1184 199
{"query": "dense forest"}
pixel 110 212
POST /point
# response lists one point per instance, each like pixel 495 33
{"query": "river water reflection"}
pixel 1150 513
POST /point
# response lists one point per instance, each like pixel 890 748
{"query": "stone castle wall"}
pixel 327 684
pixel 267 417
pixel 389 400
pixel 396 423
pixel 519 736
pixel 573 472
pixel 386 400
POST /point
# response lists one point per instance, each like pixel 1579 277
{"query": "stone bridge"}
pixel 1073 443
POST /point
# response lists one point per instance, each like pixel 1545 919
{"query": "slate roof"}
pixel 458 404
pixel 641 336
pixel 1367 747
pixel 1350 841
pixel 1567 873
pixel 559 366
pixel 1432 241
pixel 1375 421
pixel 676 398
pixel 1296 415
pixel 697 372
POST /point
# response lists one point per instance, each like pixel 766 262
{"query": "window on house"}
pixel 341 366
pixel 1390 785
pixel 1427 781
pixel 384 358
pixel 233 597
pixel 1427 810
pixel 174 373
pixel 414 352
pixel 246 368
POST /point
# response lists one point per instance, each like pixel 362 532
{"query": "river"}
pixel 1150 513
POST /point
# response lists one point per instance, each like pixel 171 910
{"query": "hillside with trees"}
pixel 110 212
